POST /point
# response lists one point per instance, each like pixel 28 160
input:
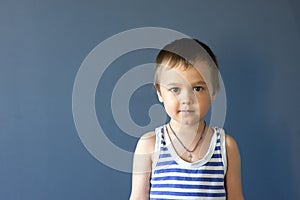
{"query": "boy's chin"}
pixel 190 122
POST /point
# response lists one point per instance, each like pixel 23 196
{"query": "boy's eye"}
pixel 198 88
pixel 174 90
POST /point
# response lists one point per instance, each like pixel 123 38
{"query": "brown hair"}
pixel 187 52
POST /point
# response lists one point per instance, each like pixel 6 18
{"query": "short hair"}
pixel 187 52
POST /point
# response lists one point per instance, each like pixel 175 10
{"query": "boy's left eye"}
pixel 198 88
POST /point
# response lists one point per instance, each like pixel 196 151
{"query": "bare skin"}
pixel 142 167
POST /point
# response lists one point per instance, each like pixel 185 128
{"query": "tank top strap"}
pixel 159 143
pixel 221 137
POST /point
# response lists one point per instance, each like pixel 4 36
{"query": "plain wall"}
pixel 43 44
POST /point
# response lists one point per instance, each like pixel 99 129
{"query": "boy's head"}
pixel 186 53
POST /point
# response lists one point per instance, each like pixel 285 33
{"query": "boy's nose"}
pixel 187 98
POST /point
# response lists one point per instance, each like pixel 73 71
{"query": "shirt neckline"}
pixel 197 163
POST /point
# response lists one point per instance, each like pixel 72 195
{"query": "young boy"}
pixel 186 159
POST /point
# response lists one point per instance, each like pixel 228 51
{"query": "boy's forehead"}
pixel 186 74
pixel 201 68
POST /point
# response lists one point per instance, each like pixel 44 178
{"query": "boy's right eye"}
pixel 174 90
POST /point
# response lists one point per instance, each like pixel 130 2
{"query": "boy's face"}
pixel 184 93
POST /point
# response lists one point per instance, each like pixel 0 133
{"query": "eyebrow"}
pixel 199 83
pixel 170 84
pixel 176 84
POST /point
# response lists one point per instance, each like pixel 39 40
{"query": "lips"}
pixel 186 111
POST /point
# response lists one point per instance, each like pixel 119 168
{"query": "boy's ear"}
pixel 213 96
pixel 159 96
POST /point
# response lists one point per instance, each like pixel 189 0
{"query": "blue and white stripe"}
pixel 174 178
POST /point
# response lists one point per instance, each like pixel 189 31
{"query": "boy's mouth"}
pixel 186 111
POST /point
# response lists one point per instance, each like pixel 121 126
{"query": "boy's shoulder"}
pixel 151 135
pixel 230 141
pixel 148 135
pixel 146 143
pixel 231 144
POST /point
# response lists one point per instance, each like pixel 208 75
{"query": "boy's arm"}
pixel 142 166
pixel 233 175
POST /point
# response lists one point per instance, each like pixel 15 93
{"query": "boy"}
pixel 186 159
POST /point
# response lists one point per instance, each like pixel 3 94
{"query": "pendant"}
pixel 190 157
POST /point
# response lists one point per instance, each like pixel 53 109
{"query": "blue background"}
pixel 43 44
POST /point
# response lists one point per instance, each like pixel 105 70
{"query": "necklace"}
pixel 190 151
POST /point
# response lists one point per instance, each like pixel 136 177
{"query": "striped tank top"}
pixel 174 178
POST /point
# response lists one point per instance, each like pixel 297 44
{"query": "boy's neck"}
pixel 187 129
